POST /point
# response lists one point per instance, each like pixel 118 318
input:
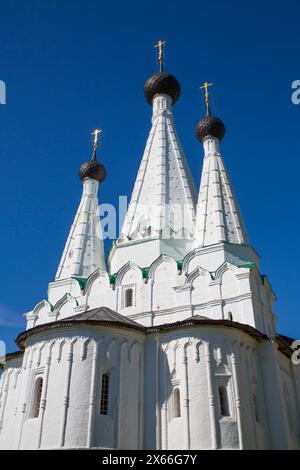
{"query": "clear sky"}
pixel 73 65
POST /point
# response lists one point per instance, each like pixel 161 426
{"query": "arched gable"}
pixel 164 267
pixel 65 306
pixel 226 266
pixel 188 265
pixel 163 272
pixel 41 313
pixel 130 273
pixel 227 274
pixel 200 280
pixel 97 283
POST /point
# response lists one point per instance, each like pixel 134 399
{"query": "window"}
pixel 223 401
pixel 230 317
pixel 128 298
pixel 104 394
pixel 176 398
pixel 37 397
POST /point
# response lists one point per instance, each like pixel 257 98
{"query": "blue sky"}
pixel 71 66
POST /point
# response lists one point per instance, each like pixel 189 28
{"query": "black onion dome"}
pixel 210 125
pixel 92 169
pixel 162 82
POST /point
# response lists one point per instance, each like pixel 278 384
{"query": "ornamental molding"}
pixel 92 278
pixel 42 304
pixel 226 266
pixel 127 267
pixel 161 259
pixel 183 288
pixel 198 271
pixel 64 300
pixel 199 251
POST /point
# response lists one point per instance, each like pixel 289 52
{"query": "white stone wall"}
pixel 71 363
pixel 10 390
pixel 144 371
pixel 198 361
pixel 165 294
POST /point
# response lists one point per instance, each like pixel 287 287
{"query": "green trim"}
pixel 179 265
pixel 81 281
pixel 145 272
pixel 247 265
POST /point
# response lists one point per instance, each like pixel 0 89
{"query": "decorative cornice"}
pixel 183 288
pixel 283 347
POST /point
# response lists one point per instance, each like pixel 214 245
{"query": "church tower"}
pixel 84 253
pixel 218 215
pixel 161 214
pixel 171 344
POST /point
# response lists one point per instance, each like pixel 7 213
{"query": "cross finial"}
pixel 206 94
pixel 160 45
pixel 95 133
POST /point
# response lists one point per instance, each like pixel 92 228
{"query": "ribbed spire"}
pixel 164 193
pixel 218 216
pixel 161 214
pixel 84 252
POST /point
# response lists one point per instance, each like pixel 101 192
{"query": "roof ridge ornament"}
pixel 209 125
pixel 92 168
pixel 161 83
pixel 160 46
pixel 206 95
pixel 95 133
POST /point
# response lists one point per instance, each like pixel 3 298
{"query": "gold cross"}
pixel 160 45
pixel 95 134
pixel 206 94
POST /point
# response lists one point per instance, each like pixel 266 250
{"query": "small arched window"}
pixel 223 400
pixel 104 394
pixel 176 398
pixel 38 388
pixel 128 297
pixel 230 316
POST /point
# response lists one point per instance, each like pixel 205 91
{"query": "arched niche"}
pixel 202 291
pixel 229 284
pixel 98 284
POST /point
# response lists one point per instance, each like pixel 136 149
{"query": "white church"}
pixel 170 343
